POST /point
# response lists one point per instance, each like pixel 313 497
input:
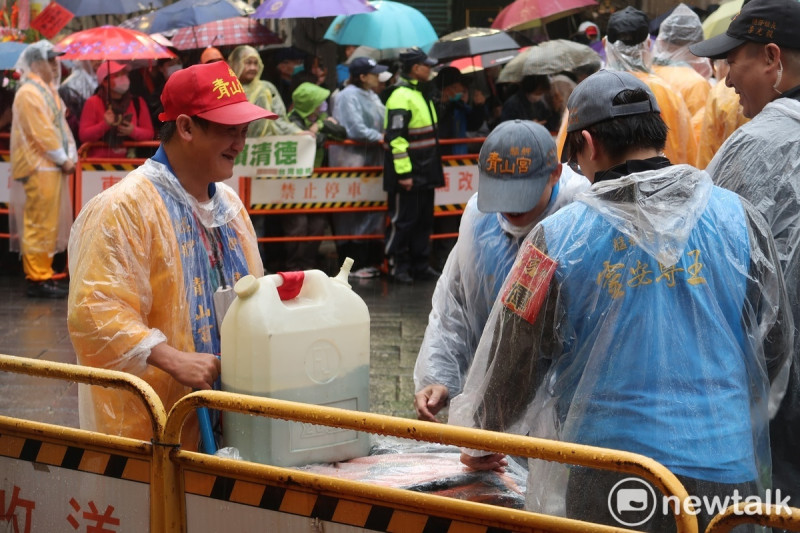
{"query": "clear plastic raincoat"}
pixel 680 29
pixel 263 94
pixel 361 112
pixel 647 316
pixel 140 276
pixel 761 162
pixel 470 282
pixel 41 141
pixel 681 146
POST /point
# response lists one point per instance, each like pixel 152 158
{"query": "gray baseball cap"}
pixel 592 101
pixel 514 165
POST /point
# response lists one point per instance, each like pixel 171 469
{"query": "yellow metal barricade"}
pixel 308 488
pixel 776 516
pixel 86 452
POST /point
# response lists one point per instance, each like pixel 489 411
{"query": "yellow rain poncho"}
pixel 41 142
pixel 687 82
pixel 682 70
pixel 681 145
pixel 722 115
pixel 128 288
pixel 263 94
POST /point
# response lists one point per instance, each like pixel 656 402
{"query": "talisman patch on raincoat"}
pixel 526 289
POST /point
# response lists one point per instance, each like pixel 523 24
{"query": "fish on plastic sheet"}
pixel 440 473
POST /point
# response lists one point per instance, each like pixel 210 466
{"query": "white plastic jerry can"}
pixel 312 348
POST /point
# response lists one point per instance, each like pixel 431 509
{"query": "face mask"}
pixel 323 107
pixel 780 77
pixel 172 69
pixel 120 85
pixel 456 97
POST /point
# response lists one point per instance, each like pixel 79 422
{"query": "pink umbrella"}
pixel 232 31
pixel 111 43
pixel 523 14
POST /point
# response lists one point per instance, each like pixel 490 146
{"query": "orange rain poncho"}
pixel 681 145
pixel 683 71
pixel 127 291
pixel 722 115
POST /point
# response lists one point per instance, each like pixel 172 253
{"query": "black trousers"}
pixel 408 236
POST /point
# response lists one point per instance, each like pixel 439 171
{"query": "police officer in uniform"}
pixel 412 170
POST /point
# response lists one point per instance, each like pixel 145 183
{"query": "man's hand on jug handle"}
pixel 195 370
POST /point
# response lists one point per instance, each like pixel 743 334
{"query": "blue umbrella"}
pixel 391 25
pixel 9 53
pixel 184 13
pixel 82 8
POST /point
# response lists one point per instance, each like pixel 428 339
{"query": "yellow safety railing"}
pixel 90 439
pixel 477 513
pixel 776 516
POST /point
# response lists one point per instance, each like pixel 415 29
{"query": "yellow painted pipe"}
pixel 776 516
pixel 103 378
pixel 406 500
pixel 91 376
pixel 491 441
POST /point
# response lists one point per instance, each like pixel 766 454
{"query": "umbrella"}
pixel 391 25
pixel 111 42
pixel 512 71
pixel 82 8
pixel 185 13
pixel 9 53
pixel 552 57
pixel 232 31
pixel 528 13
pixel 718 21
pixel 482 61
pixel 378 55
pixel 472 42
pixel 290 9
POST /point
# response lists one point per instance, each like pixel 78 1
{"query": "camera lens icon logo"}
pixel 632 502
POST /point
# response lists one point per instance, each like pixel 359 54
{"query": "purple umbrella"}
pixel 287 9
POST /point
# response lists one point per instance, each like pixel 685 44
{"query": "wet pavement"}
pixel 37 328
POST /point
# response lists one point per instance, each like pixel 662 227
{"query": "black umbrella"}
pixel 472 42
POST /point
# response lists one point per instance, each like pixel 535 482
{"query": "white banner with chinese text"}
pixel 342 189
pixel 39 498
pixel 290 155
pixel 94 181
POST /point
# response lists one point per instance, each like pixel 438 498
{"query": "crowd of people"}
pixel 109 103
pixel 626 275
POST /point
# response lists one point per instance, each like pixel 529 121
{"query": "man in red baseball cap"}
pixel 149 255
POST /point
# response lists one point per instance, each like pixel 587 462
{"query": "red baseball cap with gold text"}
pixel 212 92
